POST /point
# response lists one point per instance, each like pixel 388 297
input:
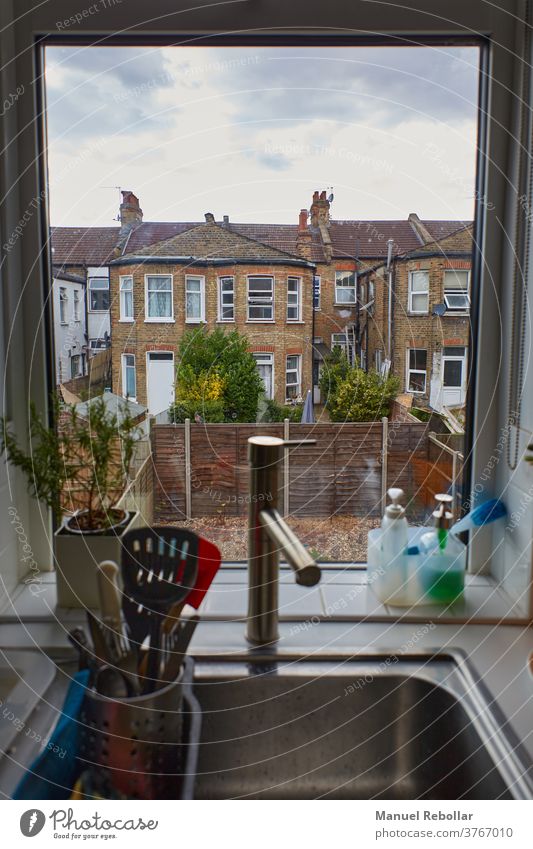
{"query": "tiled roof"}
pixel 281 236
pixel 212 241
pixel 368 239
pixel 441 229
pixel 83 245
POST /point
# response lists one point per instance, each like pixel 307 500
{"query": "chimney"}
pixel 303 238
pixel 209 218
pixel 131 213
pixel 320 209
pixel 225 221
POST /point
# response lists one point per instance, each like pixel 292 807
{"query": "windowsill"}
pixel 98 312
pixel 350 306
pixel 260 321
pixel 195 321
pixel 294 321
pixel 160 321
pixel 452 314
pixel 225 321
pixel 421 314
pixel 126 321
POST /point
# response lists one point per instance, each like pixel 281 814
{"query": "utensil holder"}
pixel 138 742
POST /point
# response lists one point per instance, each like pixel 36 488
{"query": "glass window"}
pixel 63 304
pixel 265 367
pixel 226 299
pixel 260 298
pixel 345 287
pixel 75 365
pixel 456 290
pixel 316 292
pixel 419 291
pixel 159 297
pixel 98 294
pixel 76 305
pixel 293 299
pixel 416 370
pixel 126 298
pixel 129 376
pixel 293 377
pixel 345 342
pixel 194 299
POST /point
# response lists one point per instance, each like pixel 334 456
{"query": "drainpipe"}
pixel 313 337
pixel 390 244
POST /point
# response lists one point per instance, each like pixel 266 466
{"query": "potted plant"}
pixel 80 470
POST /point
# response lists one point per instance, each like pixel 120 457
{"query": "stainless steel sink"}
pixel 345 728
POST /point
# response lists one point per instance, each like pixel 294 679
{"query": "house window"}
pixel 416 370
pixel 76 364
pixel 260 299
pixel 129 380
pixel 293 377
pixel 371 297
pixel 126 298
pixel 159 305
pixel 265 367
pixel 97 344
pixel 316 292
pixel 293 298
pixel 194 299
pixel 343 341
pixel 345 287
pixel 226 299
pixel 456 290
pixel 98 294
pixel 378 361
pixel 419 292
pixel 76 305
pixel 63 304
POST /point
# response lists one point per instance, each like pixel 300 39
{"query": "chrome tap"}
pixel 268 536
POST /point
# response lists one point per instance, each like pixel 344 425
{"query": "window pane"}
pixel 453 373
pixel 419 281
pixel 194 305
pixel 418 358
pixel 417 382
pixel 454 279
pixel 419 303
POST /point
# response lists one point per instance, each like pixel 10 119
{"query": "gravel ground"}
pixel 337 538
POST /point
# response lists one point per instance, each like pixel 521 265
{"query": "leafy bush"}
pixel 217 376
pixel 352 394
pixel 279 412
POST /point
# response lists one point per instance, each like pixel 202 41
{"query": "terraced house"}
pixel 394 295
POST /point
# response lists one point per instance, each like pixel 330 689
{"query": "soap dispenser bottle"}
pixel 393 545
pixel 443 557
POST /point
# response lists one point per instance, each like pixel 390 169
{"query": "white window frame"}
pixel 159 319
pixel 317 279
pixel 418 292
pixel 261 300
pixel 201 318
pixel 125 367
pixel 411 371
pixel 220 280
pixel 343 341
pixel 79 358
pixel 463 292
pixel 63 305
pixel 266 359
pixel 99 289
pixel 122 300
pixel 298 371
pixel 341 287
pixel 298 303
pixel 76 302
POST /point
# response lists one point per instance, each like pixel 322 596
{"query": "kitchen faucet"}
pixel 268 536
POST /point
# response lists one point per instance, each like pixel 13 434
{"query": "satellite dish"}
pixel 439 309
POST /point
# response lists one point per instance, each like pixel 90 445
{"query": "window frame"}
pixel 458 291
pixel 90 290
pixel 298 305
pixel 220 280
pixel 201 318
pixel 410 371
pixel 417 293
pixel 317 302
pixel 346 304
pixel 63 305
pixel 123 318
pixel 158 319
pixel 79 359
pixel 76 304
pixel 298 371
pixel 124 368
pixel 268 358
pixel 347 346
pixel 271 278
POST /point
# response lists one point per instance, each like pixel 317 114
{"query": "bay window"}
pixel 226 299
pixel 294 299
pixel 159 306
pixel 260 298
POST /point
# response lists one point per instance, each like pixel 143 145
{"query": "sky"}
pixel 252 132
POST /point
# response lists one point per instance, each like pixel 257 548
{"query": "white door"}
pixel 159 381
pixel 265 367
pixel 454 377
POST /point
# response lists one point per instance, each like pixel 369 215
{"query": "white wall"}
pixel 69 338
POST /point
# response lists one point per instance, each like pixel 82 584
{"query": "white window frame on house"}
pixel 343 341
pixel 418 293
pixel 378 360
pixel 128 361
pixel 295 380
pixel 78 360
pixel 342 285
pixel 294 299
pixel 261 299
pixel 265 358
pixel 63 305
pixel 125 283
pixel 456 297
pixel 76 305
pixel 97 344
pixel 317 288
pixel 147 291
pixel 98 284
pixel 225 302
pixel 413 371
pixel 195 278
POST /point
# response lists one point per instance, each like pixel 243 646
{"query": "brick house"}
pixel 210 276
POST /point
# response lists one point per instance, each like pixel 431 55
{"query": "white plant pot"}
pixel 77 556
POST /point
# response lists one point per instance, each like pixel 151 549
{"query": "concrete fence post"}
pixel 286 469
pixel 384 461
pixel 188 490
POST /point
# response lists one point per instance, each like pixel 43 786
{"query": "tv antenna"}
pixel 117 217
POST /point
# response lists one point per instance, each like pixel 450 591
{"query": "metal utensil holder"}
pixel 138 742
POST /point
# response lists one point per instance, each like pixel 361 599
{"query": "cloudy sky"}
pixel 251 133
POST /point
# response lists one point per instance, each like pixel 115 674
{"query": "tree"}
pixel 216 377
pixel 353 395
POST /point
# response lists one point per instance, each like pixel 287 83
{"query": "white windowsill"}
pixel 294 321
pixel 260 321
pixel 160 321
pixel 126 321
pixel 195 321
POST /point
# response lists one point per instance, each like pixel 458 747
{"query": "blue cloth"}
pixel 52 777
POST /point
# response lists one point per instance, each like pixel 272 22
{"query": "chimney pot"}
pixel 210 218
pixel 226 220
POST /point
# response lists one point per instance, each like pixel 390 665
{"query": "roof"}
pixel 114 404
pixel 212 241
pixel 83 245
pixel 59 274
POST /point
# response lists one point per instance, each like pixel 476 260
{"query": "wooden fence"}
pixel 202 470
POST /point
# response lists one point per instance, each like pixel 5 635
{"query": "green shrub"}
pixel 210 411
pixel 362 397
pixel 279 412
